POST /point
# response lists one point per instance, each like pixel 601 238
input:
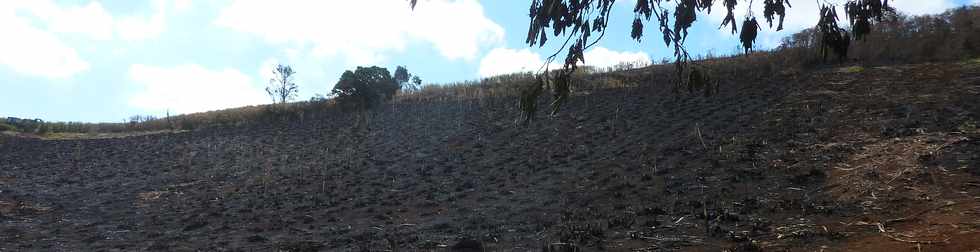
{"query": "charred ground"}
pixel 877 158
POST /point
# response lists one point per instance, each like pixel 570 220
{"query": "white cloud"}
pixel 602 58
pixel 503 61
pixel 33 47
pixel 362 31
pixel 142 27
pixel 192 88
pixel 266 69
pixel 93 21
pixel 919 7
pixel 139 28
pixel 32 51
pixel 182 5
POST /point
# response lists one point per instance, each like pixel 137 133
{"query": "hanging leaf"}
pixel 730 17
pixel 774 8
pixel 832 38
pixel 863 13
pixel 750 30
pixel 637 32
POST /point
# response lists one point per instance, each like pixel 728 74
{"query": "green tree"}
pixel 365 87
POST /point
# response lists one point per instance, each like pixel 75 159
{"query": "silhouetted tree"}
pixel 365 87
pixel 281 87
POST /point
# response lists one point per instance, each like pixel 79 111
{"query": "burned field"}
pixel 869 159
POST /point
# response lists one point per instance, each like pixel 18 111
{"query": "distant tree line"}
pixel 362 88
pixel 23 125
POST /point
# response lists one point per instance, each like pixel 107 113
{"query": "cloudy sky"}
pixel 103 61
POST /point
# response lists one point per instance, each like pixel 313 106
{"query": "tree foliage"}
pixel 365 87
pixel 862 13
pixel 406 81
pixel 416 83
pixel 281 87
pixel 832 37
pixel 583 23
pixel 401 75
pixel 750 30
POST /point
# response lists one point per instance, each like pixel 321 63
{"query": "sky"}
pixel 104 61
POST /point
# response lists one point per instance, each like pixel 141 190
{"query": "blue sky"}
pixel 103 61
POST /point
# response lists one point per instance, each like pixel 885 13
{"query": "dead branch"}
pixel 914 241
pixel 916 215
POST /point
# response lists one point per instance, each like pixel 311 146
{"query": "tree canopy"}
pixel 365 87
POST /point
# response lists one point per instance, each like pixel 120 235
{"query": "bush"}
pixel 44 129
pixel 7 127
pixel 187 124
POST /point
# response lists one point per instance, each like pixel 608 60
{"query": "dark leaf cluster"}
pixel 775 8
pixel 862 13
pixel 832 37
pixel 750 30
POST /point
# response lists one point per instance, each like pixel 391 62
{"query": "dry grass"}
pixel 106 135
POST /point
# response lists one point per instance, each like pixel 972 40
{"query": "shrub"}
pixel 187 124
pixel 43 129
pixel 7 127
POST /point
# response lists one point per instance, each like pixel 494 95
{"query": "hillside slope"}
pixel 835 159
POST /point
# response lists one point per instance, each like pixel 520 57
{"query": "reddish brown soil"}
pixel 881 160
